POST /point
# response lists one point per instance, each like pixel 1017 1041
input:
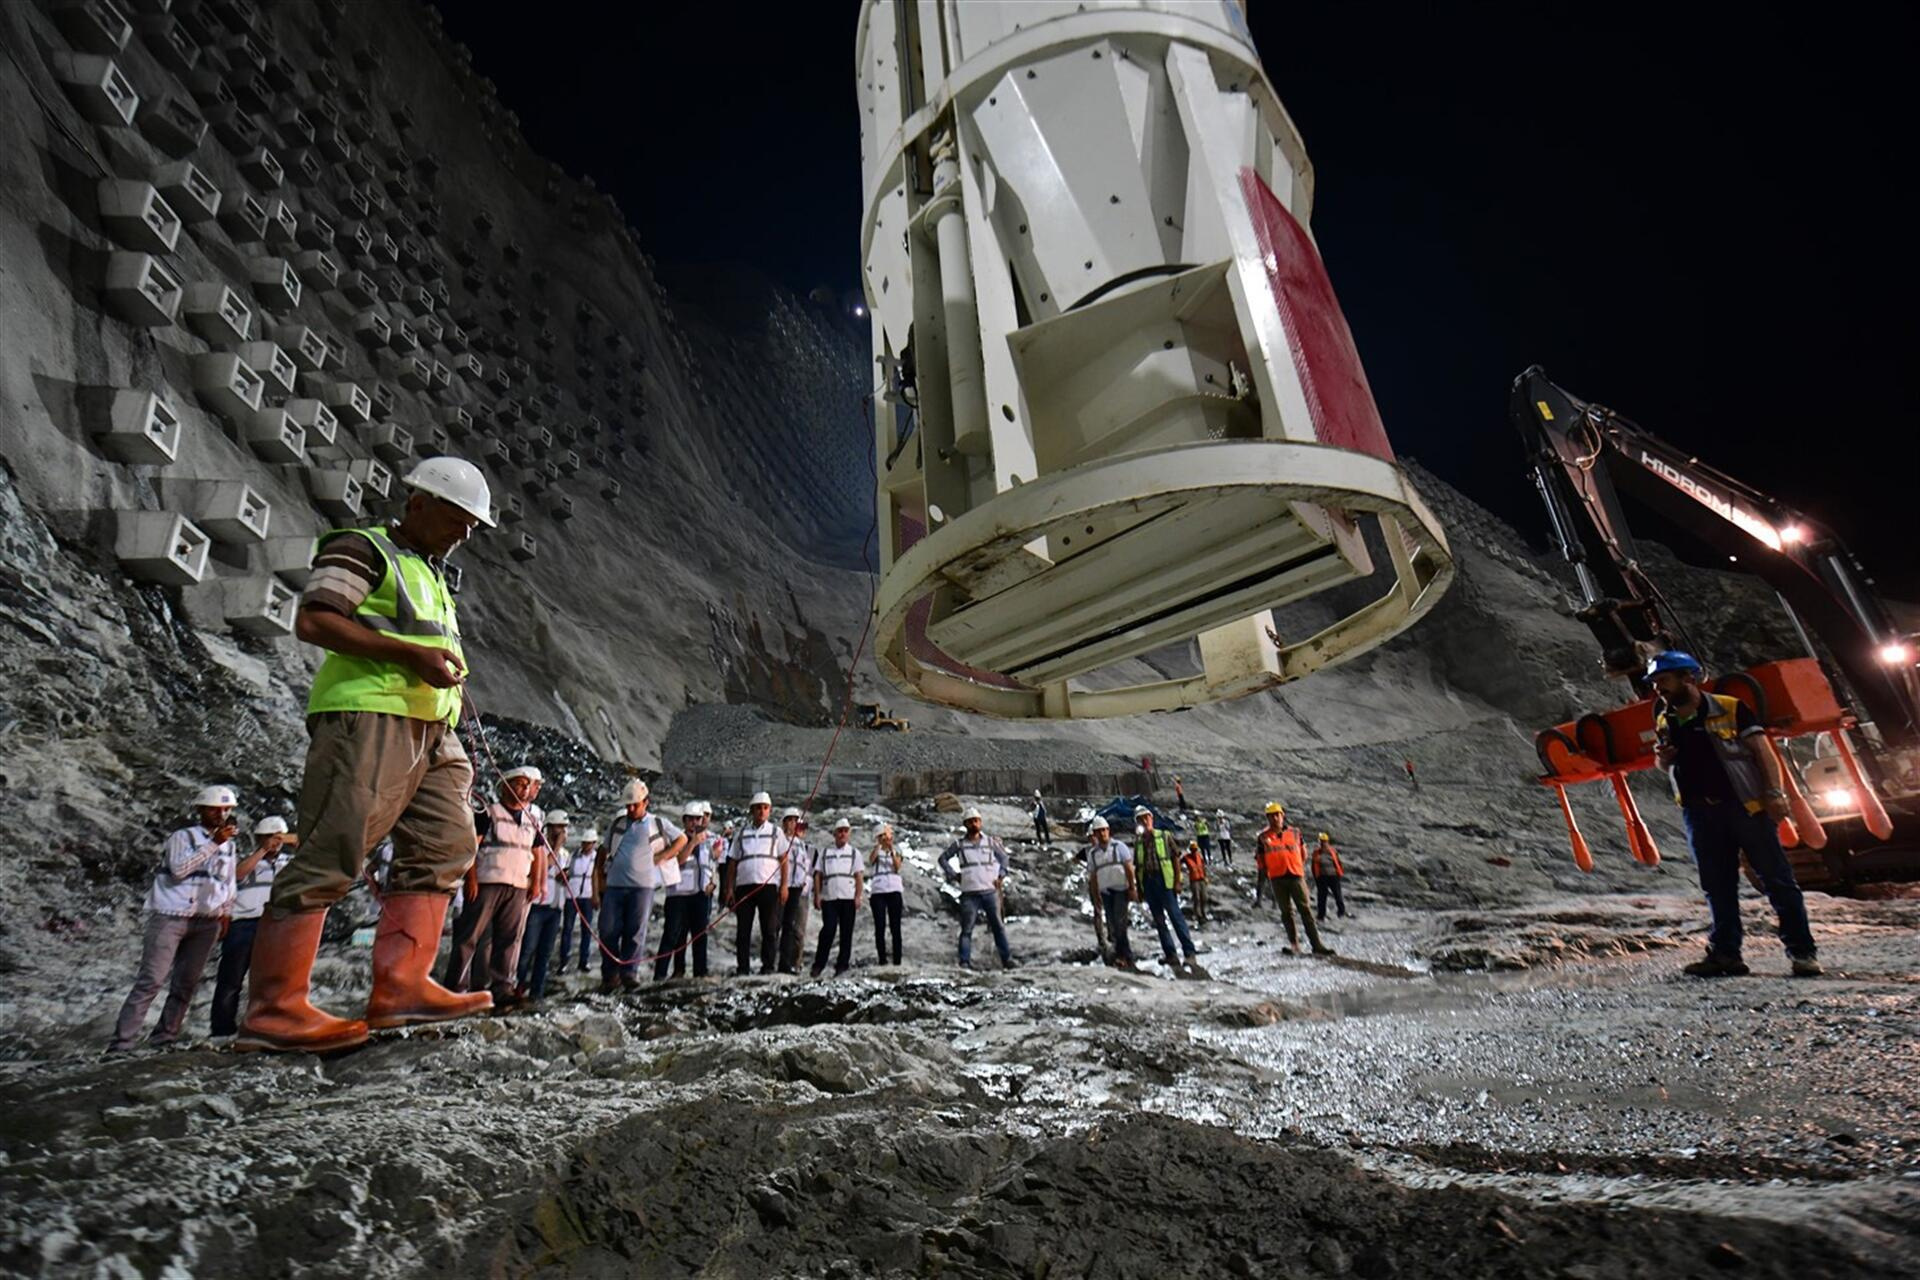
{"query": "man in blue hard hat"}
pixel 1731 795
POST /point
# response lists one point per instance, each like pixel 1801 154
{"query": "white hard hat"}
pixel 270 827
pixel 1098 824
pixel 760 797
pixel 694 809
pixel 1141 811
pixel 558 818
pixel 843 825
pixel 790 812
pixel 589 835
pixel 970 815
pixel 215 798
pixel 457 481
pixel 1036 795
pixel 635 792
pixel 523 771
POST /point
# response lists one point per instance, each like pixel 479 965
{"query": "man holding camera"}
pixel 187 910
pixel 1728 783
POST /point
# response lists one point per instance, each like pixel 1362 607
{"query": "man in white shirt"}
pixel 887 893
pixel 1111 885
pixel 793 909
pixel 839 882
pixel 754 879
pixel 191 898
pixel 640 848
pixel 501 884
pixel 978 862
pixel 580 903
pixel 543 918
pixel 253 885
pixel 688 905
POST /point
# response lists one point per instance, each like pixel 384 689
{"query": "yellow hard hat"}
pixel 1273 806
pixel 1325 836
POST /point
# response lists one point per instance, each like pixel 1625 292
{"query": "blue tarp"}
pixel 1119 815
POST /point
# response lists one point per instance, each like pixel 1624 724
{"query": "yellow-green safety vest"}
pixel 1155 846
pixel 1722 724
pixel 411 603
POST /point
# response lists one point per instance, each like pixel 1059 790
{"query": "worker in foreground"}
pixel 1328 874
pixel 1156 870
pixel 187 910
pixel 383 758
pixel 1111 886
pixel 1731 796
pixel 978 862
pixel 1279 848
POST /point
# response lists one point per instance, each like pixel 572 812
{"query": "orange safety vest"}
pixel 1333 856
pixel 1196 864
pixel 1280 854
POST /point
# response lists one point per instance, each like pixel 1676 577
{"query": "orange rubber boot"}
pixel 404 946
pixel 279 1016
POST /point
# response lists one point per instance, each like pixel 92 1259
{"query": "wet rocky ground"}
pixel 1527 1091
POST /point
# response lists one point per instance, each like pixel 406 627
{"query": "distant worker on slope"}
pixel 1156 873
pixel 1194 863
pixel 1729 787
pixel 1279 847
pixel 1223 832
pixel 978 862
pixel 188 907
pixel 1328 873
pixel 1111 885
pixel 1203 836
pixel 384 759
pixel 1041 831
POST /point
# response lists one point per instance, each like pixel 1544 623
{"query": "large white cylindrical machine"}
pixel 1122 408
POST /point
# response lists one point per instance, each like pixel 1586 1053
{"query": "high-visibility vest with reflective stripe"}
pixel 411 603
pixel 1155 847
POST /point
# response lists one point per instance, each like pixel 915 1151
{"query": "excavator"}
pixel 1843 717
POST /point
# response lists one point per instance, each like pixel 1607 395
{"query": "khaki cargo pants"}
pixel 369 776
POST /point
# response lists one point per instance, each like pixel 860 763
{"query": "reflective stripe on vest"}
pixel 979 866
pixel 411 603
pixel 1721 719
pixel 506 855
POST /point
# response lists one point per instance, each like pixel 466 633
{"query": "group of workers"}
pixel 385 762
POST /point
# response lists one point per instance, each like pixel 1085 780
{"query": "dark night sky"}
pixel 1694 217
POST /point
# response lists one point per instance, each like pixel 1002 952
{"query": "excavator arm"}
pixel 1584 457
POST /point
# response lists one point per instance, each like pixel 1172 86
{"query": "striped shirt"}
pixel 345 573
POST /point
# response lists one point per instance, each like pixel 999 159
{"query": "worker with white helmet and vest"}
pixel 502 884
pixel 1111 886
pixel 978 862
pixel 641 854
pixel 543 917
pixel 839 883
pixel 1156 874
pixel 754 880
pixel 253 885
pixel 581 901
pixel 887 891
pixel 795 907
pixel 187 908
pixel 384 759
pixel 689 902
